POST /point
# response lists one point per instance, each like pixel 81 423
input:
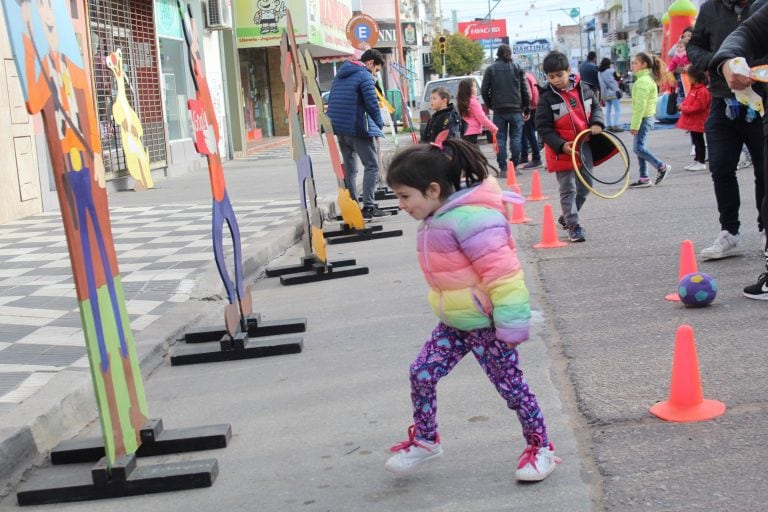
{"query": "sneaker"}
pixel 532 165
pixel 662 173
pixel 746 161
pixel 561 221
pixel 616 129
pixel 724 245
pixel 413 452
pixel 641 183
pixel 536 462
pixel 369 212
pixel 576 233
pixel 696 166
pixel 758 290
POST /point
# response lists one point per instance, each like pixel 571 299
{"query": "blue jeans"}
pixel 724 140
pixel 529 139
pixel 512 123
pixel 643 154
pixel 365 149
pixel 612 107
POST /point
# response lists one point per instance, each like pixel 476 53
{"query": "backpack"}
pixel 456 125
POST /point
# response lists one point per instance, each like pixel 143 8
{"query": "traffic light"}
pixel 441 40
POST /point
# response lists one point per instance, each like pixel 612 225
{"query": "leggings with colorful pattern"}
pixel 442 352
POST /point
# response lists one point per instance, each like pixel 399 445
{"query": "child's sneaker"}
pixel 662 173
pixel 759 290
pixel 536 462
pixel 641 183
pixel 724 245
pixel 413 452
pixel 576 233
pixel 696 166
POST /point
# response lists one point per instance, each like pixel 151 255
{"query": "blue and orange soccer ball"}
pixel 697 289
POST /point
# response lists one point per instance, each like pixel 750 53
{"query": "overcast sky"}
pixel 540 19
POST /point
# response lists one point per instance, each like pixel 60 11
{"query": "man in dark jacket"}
pixel 354 112
pixel 749 42
pixel 729 125
pixel 505 90
pixel 588 73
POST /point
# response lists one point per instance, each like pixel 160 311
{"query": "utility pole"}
pixel 490 27
pixel 575 14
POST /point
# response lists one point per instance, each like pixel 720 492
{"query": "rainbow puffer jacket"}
pixel 468 257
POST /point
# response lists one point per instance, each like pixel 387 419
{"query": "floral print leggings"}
pixel 440 354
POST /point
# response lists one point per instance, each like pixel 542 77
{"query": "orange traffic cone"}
pixel 686 400
pixel 687 266
pixel 511 178
pixel 536 188
pixel 548 231
pixel 518 210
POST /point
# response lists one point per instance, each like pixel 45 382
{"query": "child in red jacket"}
pixel 694 111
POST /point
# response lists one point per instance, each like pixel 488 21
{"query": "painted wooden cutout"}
pixel 350 210
pixel 131 131
pixel 313 240
pixel 55 85
pixel 206 129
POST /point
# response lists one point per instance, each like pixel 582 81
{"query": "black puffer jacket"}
pixel 717 19
pixel 504 87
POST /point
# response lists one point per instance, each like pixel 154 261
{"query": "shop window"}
pixel 173 65
pixel 128 25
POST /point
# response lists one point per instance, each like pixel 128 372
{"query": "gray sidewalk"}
pixel 163 242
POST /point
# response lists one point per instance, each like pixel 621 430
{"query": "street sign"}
pixel 534 46
pixel 574 12
pixel 362 31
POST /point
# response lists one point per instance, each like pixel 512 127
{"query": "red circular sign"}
pixel 362 31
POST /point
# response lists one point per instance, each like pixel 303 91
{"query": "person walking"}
pixel 693 113
pixel 471 111
pixel 610 94
pixel 748 42
pixel 589 73
pixel 645 93
pixel 529 128
pixel 477 291
pixel 356 118
pixel 505 91
pixel 729 125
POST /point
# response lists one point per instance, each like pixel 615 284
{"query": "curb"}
pixel 66 404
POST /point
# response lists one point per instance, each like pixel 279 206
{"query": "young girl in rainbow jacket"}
pixel 467 253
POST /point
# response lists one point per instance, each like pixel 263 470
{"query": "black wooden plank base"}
pixel 233 349
pixel 362 235
pixel 124 478
pixel 320 273
pixel 256 328
pixel 155 440
pixel 307 263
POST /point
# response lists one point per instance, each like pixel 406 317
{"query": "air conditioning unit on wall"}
pixel 219 15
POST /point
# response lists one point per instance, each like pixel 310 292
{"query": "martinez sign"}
pixel 477 30
pixel 535 46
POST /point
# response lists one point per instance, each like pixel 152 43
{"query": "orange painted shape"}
pixel 536 194
pixel 548 231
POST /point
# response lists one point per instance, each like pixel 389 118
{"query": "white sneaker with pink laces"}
pixel 413 452
pixel 536 462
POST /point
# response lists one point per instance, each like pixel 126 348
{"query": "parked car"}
pixel 452 84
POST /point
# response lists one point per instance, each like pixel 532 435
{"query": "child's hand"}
pixel 633 132
pixel 568 148
pixel 596 130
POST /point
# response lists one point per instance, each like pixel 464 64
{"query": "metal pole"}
pixel 401 61
pixel 490 32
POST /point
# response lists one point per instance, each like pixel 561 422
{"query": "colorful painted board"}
pixel 56 85
pixel 206 129
pixel 131 131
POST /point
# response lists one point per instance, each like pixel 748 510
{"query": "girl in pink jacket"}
pixel 471 111
pixel 477 290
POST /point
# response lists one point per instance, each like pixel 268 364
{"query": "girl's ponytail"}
pixel 452 163
pixel 656 68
